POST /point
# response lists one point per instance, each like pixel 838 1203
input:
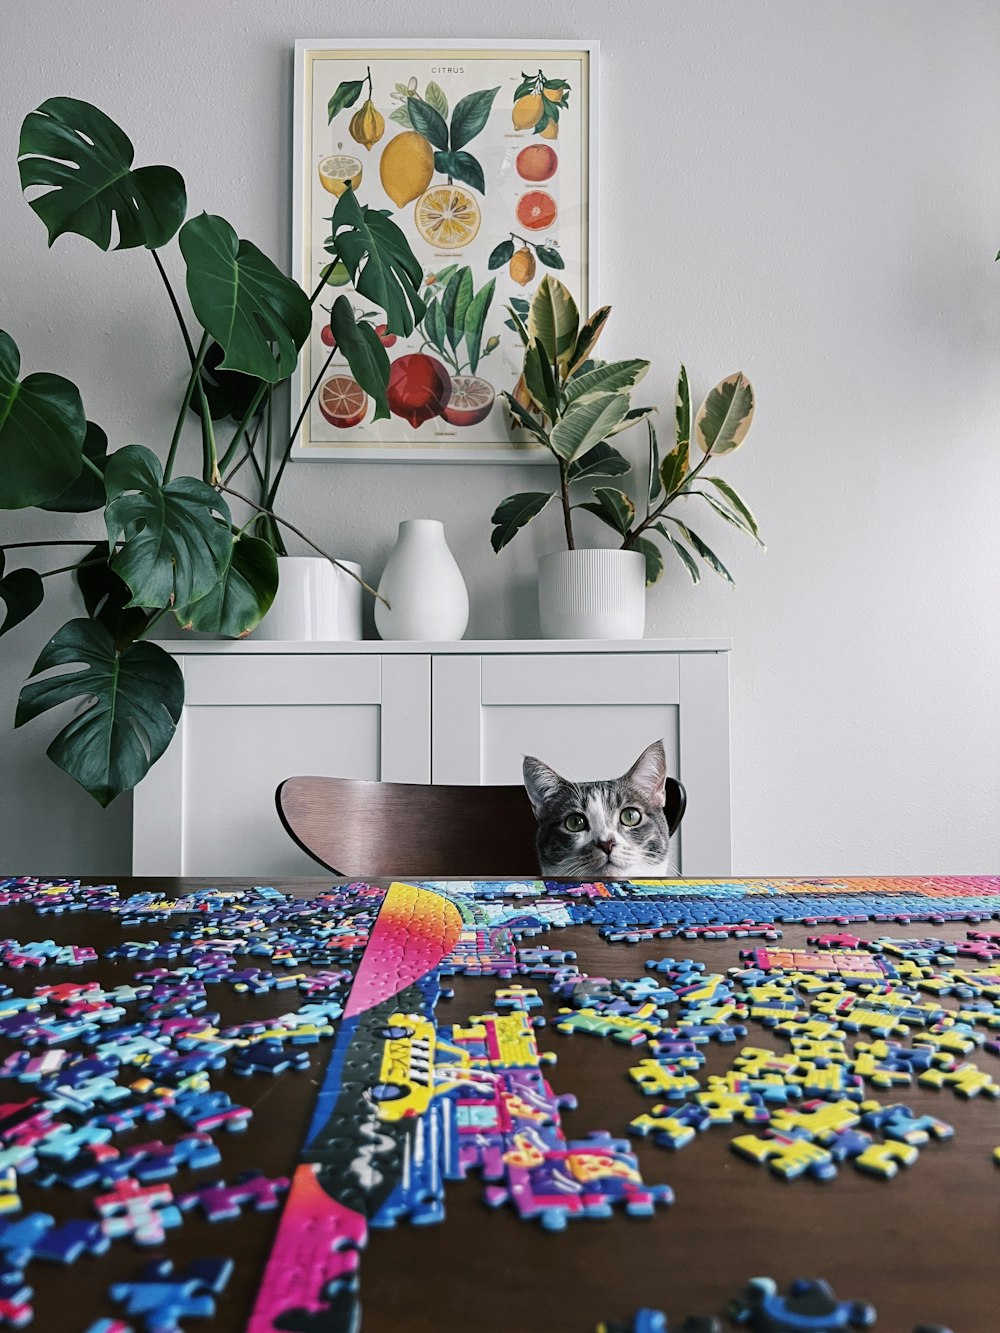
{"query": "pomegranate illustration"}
pixel 419 388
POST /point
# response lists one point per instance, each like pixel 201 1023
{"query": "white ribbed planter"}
pixel 592 594
pixel 316 602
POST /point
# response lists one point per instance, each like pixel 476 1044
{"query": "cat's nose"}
pixel 606 845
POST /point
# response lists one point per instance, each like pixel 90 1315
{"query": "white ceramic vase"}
pixel 595 594
pixel 423 585
pixel 315 601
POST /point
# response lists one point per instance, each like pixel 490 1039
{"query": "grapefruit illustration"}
pixel 537 162
pixel 342 401
pixel 536 210
pixel 419 388
pixel 470 402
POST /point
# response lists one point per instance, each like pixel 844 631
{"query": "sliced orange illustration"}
pixel 447 217
pixel 342 401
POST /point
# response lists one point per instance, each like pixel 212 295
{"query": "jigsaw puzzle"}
pixel 412 1105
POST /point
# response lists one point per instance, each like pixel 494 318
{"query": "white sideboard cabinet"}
pixel 467 713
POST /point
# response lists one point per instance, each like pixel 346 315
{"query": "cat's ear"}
pixel 540 782
pixel 648 774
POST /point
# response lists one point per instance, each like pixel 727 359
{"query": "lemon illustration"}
pixel 339 171
pixel 522 266
pixel 367 125
pixel 447 217
pixel 527 111
pixel 551 130
pixel 406 167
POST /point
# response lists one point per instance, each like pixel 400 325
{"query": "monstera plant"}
pixel 170 544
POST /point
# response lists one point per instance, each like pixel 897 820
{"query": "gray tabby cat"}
pixel 614 829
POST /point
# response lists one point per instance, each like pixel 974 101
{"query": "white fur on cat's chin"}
pixel 571 869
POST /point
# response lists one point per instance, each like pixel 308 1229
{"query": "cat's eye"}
pixel 575 823
pixel 630 816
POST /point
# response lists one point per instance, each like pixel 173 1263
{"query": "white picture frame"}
pixel 560 209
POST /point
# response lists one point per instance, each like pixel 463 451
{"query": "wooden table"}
pixel 922 1247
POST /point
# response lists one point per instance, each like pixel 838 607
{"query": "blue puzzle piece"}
pixel 809 1307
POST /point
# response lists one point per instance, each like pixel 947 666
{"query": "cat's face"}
pixel 614 829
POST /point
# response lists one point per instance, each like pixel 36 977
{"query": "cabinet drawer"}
pixel 583 678
pixel 312 678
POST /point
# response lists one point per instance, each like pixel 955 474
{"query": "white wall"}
pixel 808 192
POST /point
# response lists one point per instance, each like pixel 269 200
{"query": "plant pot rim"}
pixel 592 551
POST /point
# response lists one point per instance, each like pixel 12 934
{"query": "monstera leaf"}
pixel 42 429
pixel 260 317
pixel 381 263
pixel 21 592
pixel 175 548
pixel 85 160
pixel 133 702
pixel 107 597
pixel 229 394
pixel 87 491
pixel 241 597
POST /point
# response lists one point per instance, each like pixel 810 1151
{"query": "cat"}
pixel 615 829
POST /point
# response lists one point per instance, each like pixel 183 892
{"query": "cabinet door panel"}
pixel 234 758
pixel 207 807
pixel 589 716
pixel 306 678
pixel 585 678
pixel 582 741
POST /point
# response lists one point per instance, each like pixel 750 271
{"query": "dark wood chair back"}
pixel 380 829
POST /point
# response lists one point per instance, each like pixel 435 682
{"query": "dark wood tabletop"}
pixel 921 1247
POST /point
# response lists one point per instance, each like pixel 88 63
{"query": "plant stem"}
pixel 248 416
pixel 632 536
pixel 55 541
pixel 173 301
pixel 566 508
pixel 210 464
pixel 65 569
pixel 199 361
pixel 308 541
pixel 287 451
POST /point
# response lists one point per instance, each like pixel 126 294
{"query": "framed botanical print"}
pixel 484 155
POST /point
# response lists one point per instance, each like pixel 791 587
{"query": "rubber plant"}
pixel 573 404
pixel 170 544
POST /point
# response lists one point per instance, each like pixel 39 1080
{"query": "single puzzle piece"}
pixel 143 1212
pixel 786 1155
pixel 162 1298
pixel 810 1306
pixel 885 1159
pixel 220 1201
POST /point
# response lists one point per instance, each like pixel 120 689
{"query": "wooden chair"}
pixel 380 829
